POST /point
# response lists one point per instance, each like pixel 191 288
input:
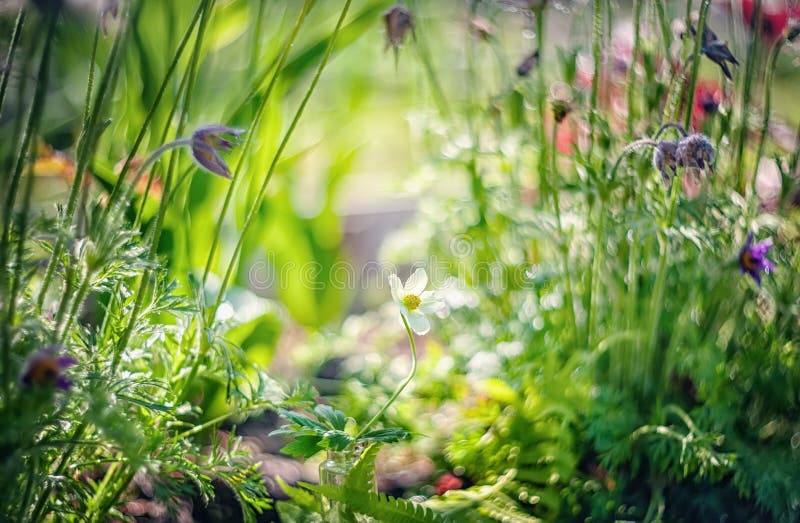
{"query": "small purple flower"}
pixel 753 258
pixel 206 143
pixel 45 368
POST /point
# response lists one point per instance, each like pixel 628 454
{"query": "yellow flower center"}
pixel 411 301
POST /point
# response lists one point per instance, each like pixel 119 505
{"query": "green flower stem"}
pixel 146 278
pixel 637 42
pixel 62 327
pixel 156 101
pixel 597 36
pixel 402 386
pixel 38 513
pixel 597 262
pixel 750 65
pixel 119 489
pixel 656 305
pixel 92 504
pixel 698 40
pixel 25 150
pixel 563 244
pixel 424 56
pixel 773 57
pixel 282 57
pixel 253 211
pixel 12 49
pixel 663 24
pixel 540 107
pixel 197 429
pixel 88 136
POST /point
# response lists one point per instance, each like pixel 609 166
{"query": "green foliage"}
pixel 330 431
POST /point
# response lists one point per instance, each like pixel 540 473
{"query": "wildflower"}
pixel 45 368
pixel 207 141
pixel 753 258
pixel 707 98
pixel 716 50
pixel 447 481
pixel 399 21
pixel 525 66
pixel 414 301
pixel 774 17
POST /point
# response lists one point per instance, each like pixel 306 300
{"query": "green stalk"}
pixel 206 7
pixel 597 261
pixel 563 244
pixel 425 59
pixel 637 42
pixel 402 386
pixel 284 55
pixel 597 37
pixel 156 101
pixel 773 57
pixel 89 134
pixel 656 305
pixel 666 33
pixel 698 40
pixel 91 131
pixel 284 142
pixel 12 49
pixel 25 149
pixel 752 50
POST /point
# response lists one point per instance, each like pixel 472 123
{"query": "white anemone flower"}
pixel 415 301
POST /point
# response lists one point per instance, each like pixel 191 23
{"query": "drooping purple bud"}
pixel 208 141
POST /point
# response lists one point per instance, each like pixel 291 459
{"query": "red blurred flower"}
pixel 775 16
pixel 707 97
pixel 447 481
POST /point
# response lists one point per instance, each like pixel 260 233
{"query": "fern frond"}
pixel 362 477
pixel 383 508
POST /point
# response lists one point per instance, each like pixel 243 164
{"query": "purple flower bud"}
pixel 753 258
pixel 208 141
pixel 45 368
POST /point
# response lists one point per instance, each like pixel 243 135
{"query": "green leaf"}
pixel 303 446
pixel 335 417
pixel 390 435
pixel 301 497
pixel 336 440
pixel 302 420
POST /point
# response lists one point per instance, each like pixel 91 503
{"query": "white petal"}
pixel 416 283
pixel 418 322
pixel 431 305
pixel 397 288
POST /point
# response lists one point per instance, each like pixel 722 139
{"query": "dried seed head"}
pixel 695 152
pixel 665 158
pixel 399 20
